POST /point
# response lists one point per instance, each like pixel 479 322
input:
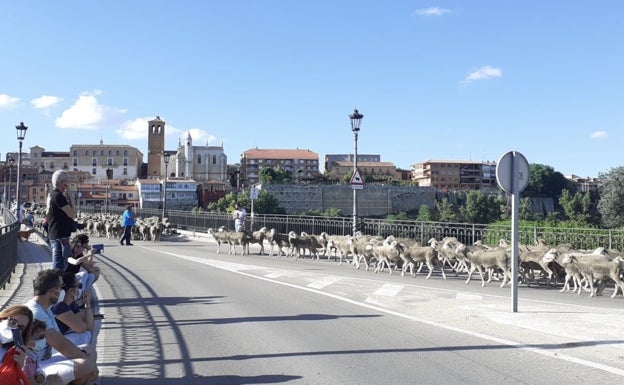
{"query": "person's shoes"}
pixel 121 243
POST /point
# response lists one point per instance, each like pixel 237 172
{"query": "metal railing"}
pixel 8 245
pixel 466 233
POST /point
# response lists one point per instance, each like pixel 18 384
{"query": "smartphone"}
pixel 17 337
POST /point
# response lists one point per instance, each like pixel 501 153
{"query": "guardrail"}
pixel 8 246
pixel 421 231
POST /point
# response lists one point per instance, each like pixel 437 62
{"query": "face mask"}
pixel 5 332
pixel 40 344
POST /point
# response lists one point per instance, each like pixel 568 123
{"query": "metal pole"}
pixel 355 134
pixel 164 213
pixel 515 201
pixel 19 171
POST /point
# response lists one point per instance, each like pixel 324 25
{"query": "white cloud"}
pixel 432 11
pixel 484 73
pixel 45 101
pixel 8 102
pixel 200 137
pixel 599 135
pixel 87 112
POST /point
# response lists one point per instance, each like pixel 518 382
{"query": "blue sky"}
pixel 465 80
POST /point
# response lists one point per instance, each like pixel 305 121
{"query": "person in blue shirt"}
pixel 127 221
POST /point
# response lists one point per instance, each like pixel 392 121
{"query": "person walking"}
pixel 127 222
pixel 60 217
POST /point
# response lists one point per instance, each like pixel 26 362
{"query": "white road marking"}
pixel 324 282
pixel 388 290
pixel 238 269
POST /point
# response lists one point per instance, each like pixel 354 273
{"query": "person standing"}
pixel 61 219
pixel 127 222
pixel 239 217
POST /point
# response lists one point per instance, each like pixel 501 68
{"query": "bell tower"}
pixel 155 147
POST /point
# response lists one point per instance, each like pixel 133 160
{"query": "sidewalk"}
pixel 33 256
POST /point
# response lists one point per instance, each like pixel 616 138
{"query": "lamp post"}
pixel 109 175
pixel 356 120
pixel 166 157
pixel 7 194
pixel 21 134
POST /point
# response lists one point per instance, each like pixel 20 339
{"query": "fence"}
pixel 421 231
pixel 8 245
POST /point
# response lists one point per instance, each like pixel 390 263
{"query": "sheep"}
pixel 257 237
pixel 423 254
pixel 598 270
pixel 361 249
pixel 494 258
pixel 220 236
pixel 572 270
pixel 386 253
pixel 539 258
pixel 237 238
pixel 279 239
pixel 300 243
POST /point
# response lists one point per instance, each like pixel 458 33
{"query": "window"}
pixel 102 153
pixel 125 161
pixel 125 152
pixel 65 166
pixel 214 159
pixel 94 162
pixel 75 152
pixel 110 152
pixel 51 165
pixel 125 171
pixel 198 159
pixel 109 162
pixel 117 153
pixel 93 171
pixel 75 162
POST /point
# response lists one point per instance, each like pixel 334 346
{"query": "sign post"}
pixel 512 175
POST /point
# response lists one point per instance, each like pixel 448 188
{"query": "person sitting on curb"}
pixel 82 265
pixel 72 363
pixel 15 316
pixel 75 323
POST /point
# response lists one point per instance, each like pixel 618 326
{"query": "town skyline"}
pixel 449 81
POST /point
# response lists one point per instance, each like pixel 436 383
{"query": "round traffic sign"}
pixel 506 173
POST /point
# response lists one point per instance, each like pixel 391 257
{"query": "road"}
pixel 179 313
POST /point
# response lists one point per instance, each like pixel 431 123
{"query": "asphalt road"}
pixel 179 313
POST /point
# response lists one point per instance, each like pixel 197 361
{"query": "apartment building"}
pixel 455 174
pixel 301 164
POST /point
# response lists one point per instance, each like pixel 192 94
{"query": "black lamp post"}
pixel 166 157
pixel 356 121
pixel 109 176
pixel 21 134
pixel 7 193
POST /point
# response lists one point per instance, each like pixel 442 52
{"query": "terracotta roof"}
pixel 267 153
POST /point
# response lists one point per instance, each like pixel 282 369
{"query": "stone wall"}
pixel 372 200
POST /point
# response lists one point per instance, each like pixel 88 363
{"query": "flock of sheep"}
pixel 582 270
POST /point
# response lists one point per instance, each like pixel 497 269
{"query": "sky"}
pixel 435 80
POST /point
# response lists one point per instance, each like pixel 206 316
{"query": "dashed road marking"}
pixel 324 282
pixel 388 290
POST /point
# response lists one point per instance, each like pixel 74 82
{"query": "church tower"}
pixel 155 147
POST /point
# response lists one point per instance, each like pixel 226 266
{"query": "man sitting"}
pixel 71 363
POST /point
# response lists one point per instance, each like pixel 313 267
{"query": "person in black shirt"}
pixel 61 219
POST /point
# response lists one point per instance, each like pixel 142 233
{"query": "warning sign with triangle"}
pixel 356 179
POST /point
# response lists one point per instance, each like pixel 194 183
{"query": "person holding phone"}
pixel 15 327
pixel 61 219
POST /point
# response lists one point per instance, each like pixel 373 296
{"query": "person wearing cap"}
pixel 81 264
pixel 74 322
pixel 61 218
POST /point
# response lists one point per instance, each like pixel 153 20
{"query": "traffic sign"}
pixel 356 179
pixel 506 173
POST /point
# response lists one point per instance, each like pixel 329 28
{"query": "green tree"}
pixel 265 204
pixel 525 211
pixel 544 181
pixel 576 206
pixel 480 208
pixel 425 214
pixel 611 204
pixel 446 211
pixel 274 175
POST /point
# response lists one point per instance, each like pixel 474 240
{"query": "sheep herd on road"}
pixel 579 270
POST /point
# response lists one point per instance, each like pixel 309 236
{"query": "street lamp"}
pixel 7 195
pixel 356 120
pixel 109 175
pixel 21 134
pixel 166 157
